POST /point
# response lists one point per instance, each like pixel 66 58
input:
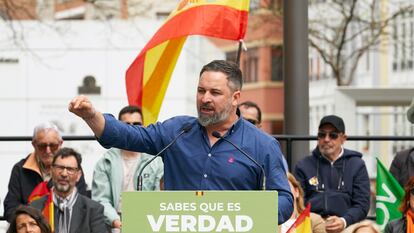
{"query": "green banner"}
pixel 199 211
pixel 389 196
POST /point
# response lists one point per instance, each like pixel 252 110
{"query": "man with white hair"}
pixel 35 168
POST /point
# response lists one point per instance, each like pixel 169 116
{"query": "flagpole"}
pixel 239 52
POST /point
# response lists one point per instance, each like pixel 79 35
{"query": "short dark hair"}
pixel 130 109
pixel 33 213
pixel 67 152
pixel 250 104
pixel 229 68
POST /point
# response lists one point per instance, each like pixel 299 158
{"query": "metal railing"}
pixel 288 139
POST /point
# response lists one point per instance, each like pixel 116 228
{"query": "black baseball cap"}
pixel 335 121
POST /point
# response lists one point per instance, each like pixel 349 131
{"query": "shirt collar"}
pixel 237 124
pixel 339 156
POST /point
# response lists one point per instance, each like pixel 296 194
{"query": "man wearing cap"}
pixel 335 180
pixel 402 166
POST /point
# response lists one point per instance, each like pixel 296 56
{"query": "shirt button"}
pixel 205 175
pixel 209 155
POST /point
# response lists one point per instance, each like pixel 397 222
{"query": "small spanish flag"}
pixel 302 223
pixel 43 195
pixel 199 193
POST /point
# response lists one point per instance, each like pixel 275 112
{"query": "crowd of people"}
pixel 334 180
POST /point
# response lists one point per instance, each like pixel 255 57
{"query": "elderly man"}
pixel 335 180
pixel 200 159
pixel 35 168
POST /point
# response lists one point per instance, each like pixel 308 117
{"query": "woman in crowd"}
pixel 317 223
pixel 405 224
pixel 366 226
pixel 27 219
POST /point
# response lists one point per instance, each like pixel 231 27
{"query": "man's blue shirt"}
pixel 191 163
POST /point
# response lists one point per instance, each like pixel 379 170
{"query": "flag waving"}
pixel 389 196
pixel 42 198
pixel 302 223
pixel 148 76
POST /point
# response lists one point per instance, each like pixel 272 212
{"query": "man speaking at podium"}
pixel 219 150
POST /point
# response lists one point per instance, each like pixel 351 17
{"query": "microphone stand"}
pixel 218 135
pixel 185 129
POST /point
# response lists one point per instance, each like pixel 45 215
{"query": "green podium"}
pixel 199 211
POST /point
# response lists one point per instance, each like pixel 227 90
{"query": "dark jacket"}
pixel 397 226
pixel 402 166
pixel 87 217
pixel 21 184
pixel 341 189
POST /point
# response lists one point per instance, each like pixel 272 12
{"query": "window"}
pixel 251 66
pixel 277 63
pixel 403 43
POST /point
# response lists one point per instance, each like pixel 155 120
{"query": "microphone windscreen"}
pixel 216 134
pixel 187 127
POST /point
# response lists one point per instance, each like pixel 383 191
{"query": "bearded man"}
pixel 73 212
pixel 198 160
pixel 35 168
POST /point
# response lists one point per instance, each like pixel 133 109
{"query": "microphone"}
pixel 218 135
pixel 185 129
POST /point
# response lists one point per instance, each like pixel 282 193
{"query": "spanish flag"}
pixel 302 223
pixel 42 198
pixel 148 76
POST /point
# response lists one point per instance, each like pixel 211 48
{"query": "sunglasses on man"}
pixel 44 146
pixel 331 135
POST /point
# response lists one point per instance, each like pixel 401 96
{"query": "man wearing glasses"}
pixel 72 212
pixel 118 170
pixel 251 113
pixel 35 168
pixel 335 180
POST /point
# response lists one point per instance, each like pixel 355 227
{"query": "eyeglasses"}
pixel 60 168
pixel 254 122
pixel 331 135
pixel 134 123
pixel 44 146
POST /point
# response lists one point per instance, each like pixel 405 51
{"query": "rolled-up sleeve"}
pixel 127 137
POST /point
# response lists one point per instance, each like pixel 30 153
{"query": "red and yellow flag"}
pixel 302 223
pixel 42 194
pixel 148 76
